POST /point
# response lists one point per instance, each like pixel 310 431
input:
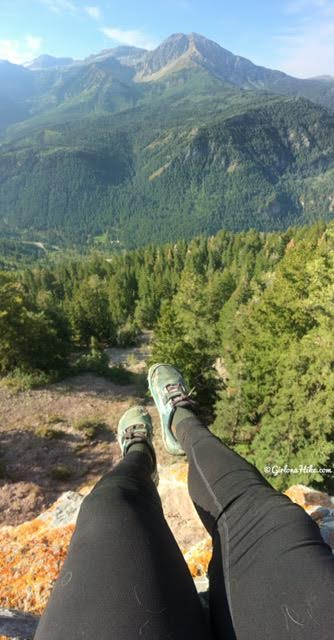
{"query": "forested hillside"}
pixel 257 307
pixel 142 147
pixel 145 180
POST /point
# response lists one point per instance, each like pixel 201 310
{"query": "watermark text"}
pixel 276 470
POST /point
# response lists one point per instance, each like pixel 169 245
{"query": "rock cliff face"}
pixel 32 553
pixel 182 51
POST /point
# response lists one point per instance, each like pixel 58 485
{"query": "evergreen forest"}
pixel 247 317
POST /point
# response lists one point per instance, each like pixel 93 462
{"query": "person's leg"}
pixel 269 560
pixel 124 576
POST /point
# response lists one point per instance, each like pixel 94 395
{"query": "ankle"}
pixel 142 447
pixel 186 426
pixel 180 414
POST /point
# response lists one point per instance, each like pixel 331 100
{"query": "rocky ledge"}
pixel 32 553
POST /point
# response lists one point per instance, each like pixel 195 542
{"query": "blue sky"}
pixel 296 36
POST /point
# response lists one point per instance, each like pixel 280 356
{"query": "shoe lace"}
pixel 138 433
pixel 177 395
pixel 135 430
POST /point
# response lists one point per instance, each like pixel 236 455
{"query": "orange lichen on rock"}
pixel 31 556
pixel 179 471
pixel 307 497
pixel 198 558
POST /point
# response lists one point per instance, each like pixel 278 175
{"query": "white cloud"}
pixel 306 49
pixel 132 37
pixel 17 51
pixel 93 12
pixel 33 43
pixel 59 6
pixel 9 50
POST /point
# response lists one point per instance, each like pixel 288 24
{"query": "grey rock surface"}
pixel 17 625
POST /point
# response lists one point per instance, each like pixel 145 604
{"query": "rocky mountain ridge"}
pixel 177 51
pixel 47 62
pixel 182 51
pixel 38 85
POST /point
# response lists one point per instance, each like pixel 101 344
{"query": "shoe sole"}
pixel 151 370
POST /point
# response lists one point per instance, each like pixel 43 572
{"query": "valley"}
pixel 152 146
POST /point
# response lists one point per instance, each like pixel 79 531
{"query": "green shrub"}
pixel 119 375
pixel 20 380
pixel 32 337
pixel 98 363
pixel 49 433
pixel 54 418
pixel 89 428
pixel 61 472
pixel 95 361
pixel 127 335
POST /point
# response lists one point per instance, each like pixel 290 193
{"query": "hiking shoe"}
pixel 135 425
pixel 169 391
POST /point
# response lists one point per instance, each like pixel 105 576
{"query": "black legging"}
pixel 124 578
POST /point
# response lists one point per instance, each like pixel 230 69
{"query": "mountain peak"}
pixel 175 50
pixel 46 61
pixel 182 50
pixel 193 51
pixel 181 42
pixel 125 54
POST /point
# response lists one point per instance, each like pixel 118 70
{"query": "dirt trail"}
pixel 133 358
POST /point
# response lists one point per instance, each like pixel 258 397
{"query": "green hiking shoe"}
pixel 169 391
pixel 135 426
